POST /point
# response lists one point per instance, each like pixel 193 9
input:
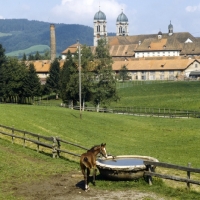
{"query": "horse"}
pixel 88 162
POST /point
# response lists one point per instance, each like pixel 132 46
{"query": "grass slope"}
pixel 31 50
pixel 173 141
pixel 177 95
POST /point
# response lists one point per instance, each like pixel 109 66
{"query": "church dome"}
pixel 100 16
pixel 122 18
pixel 170 26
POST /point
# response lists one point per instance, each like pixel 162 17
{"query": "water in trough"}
pixel 128 167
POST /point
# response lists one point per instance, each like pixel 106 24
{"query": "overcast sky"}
pixel 145 16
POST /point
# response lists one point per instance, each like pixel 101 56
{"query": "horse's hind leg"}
pixel 94 175
pixel 86 177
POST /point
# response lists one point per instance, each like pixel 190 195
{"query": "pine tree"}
pixel 53 81
pixel 24 57
pixel 14 74
pixel 32 85
pixel 2 62
pixel 69 81
pixel 105 87
pixel 123 73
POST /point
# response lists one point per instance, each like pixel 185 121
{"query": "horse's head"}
pixel 103 150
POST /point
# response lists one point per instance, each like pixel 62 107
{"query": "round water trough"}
pixel 126 167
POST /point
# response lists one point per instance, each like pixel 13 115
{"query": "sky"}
pixel 145 16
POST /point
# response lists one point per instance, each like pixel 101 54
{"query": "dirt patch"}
pixel 62 187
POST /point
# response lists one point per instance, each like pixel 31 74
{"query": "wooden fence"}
pixel 145 111
pixel 52 143
pixel 150 172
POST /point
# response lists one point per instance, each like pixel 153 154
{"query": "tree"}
pixel 69 81
pixel 14 74
pixel 105 87
pixel 24 57
pixel 123 73
pixel 31 57
pixel 32 85
pixel 87 76
pixel 37 56
pixel 52 83
pixel 2 62
pixel 46 55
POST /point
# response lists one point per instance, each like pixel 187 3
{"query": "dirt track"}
pixel 64 187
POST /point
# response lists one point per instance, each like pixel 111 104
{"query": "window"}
pixel 98 28
pixel 196 65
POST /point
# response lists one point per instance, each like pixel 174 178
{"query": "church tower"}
pixel 170 29
pixel 122 25
pixel 100 30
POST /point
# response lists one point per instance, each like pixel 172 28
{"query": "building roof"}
pixel 153 64
pixel 176 42
pixel 43 66
pixel 72 49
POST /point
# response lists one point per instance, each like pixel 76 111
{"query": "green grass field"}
pixel 173 141
pixel 31 50
pixel 178 95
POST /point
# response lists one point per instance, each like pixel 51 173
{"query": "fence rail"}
pixel 150 172
pixel 52 143
pixel 145 111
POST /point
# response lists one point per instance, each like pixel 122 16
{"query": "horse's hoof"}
pixel 86 189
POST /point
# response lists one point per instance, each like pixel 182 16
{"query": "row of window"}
pixel 166 53
pixel 153 72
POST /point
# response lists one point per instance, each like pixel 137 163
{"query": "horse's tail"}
pixel 87 162
pixel 85 159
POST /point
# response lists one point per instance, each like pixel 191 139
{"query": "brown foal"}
pixel 88 162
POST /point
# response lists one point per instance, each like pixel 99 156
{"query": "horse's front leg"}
pixel 94 175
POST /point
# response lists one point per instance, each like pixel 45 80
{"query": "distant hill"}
pixel 21 35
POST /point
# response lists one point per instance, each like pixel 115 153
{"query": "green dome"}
pixel 122 18
pixel 100 16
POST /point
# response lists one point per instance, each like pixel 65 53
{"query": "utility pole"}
pixel 79 67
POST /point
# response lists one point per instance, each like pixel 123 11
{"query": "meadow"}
pixel 169 140
pixel 31 50
pixel 164 94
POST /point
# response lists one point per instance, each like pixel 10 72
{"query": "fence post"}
pixel 149 178
pixel 54 148
pixel 13 134
pixel 38 146
pixel 58 147
pixel 188 176
pixel 24 145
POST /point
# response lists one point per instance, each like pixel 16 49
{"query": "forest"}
pixel 20 34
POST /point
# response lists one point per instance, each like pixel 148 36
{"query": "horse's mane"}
pixel 94 147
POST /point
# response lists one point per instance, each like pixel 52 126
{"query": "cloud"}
pixel 83 11
pixel 25 7
pixel 1 17
pixel 193 8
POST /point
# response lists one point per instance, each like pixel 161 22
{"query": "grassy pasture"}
pixel 169 140
pixel 31 50
pixel 173 141
pixel 178 95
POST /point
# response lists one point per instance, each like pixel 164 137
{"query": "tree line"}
pixel 19 82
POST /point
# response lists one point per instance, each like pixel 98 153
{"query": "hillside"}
pixel 20 34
